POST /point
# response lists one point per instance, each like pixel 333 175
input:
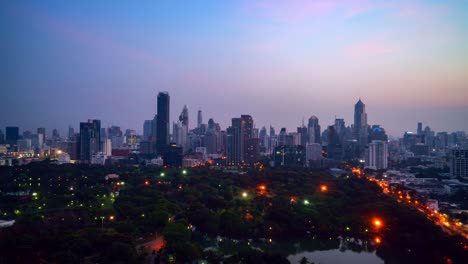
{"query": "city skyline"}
pixel 278 62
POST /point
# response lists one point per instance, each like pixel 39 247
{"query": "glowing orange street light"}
pixel 323 188
pixel 377 240
pixel 111 218
pixel 147 182
pixel 377 223
pixel 262 187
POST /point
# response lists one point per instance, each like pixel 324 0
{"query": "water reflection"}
pixel 332 250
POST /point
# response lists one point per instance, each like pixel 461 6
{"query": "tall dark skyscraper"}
pixel 360 125
pixel 199 119
pixel 42 131
pixel 12 135
pixel 313 128
pixel 90 139
pixel 147 126
pixel 184 118
pixel 235 142
pixel 71 132
pixel 162 137
pixel 251 145
pixel 420 129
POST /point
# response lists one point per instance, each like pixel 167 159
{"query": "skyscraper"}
pixel 302 131
pixel 235 142
pixel 420 129
pixel 199 118
pixel 162 138
pixel 313 128
pixel 360 125
pixel 90 139
pixel 12 135
pixel 459 162
pixel 179 134
pixel 184 118
pixel 147 127
pixel 377 155
pixel 71 132
pixel 42 131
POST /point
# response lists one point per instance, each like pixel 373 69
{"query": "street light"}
pixel 323 188
pixel 377 222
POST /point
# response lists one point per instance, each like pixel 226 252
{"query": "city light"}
pixel 262 187
pixel 111 217
pixel 244 194
pixel 377 222
pixel 184 172
pixel 377 240
pixel 306 202
pixel 162 174
pixel 147 183
pixel 323 188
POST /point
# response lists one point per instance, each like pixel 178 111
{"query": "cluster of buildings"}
pixel 240 144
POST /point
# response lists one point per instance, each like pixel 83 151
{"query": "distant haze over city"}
pixel 278 61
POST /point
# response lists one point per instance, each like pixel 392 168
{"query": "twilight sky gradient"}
pixel 66 61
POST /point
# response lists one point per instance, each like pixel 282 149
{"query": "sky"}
pixel 64 62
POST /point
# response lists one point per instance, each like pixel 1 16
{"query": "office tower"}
pixel 147 126
pixel 89 139
pixel 12 135
pixel 179 134
pixel 248 125
pixel 162 138
pixel 211 125
pixel 106 146
pixel 420 131
pixel 235 142
pixel 55 134
pixel 313 128
pixel 2 137
pixel 376 157
pixel 302 131
pixel 272 131
pixel 263 139
pixel 211 141
pixel 340 127
pixel 114 131
pixel 172 155
pixel 334 147
pixel 154 130
pixel 42 131
pixel 184 118
pixel 442 140
pixel 459 163
pixel 282 137
pixel 103 133
pixel 252 151
pixel 71 133
pixel 199 118
pixel 377 133
pixel 313 151
pixel 360 124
